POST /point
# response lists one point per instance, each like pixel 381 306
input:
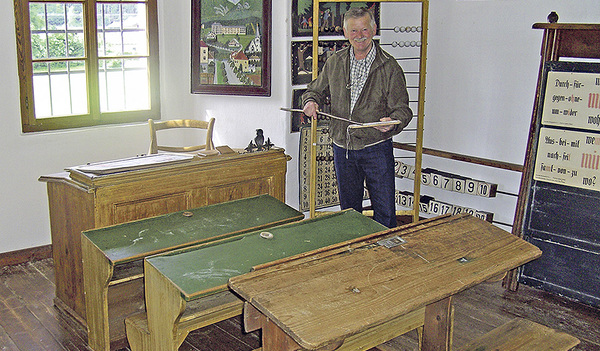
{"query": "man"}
pixel 365 84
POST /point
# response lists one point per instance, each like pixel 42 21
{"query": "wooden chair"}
pixel 180 123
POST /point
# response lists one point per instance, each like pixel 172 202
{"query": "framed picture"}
pixel 299 119
pixel 330 16
pixel 302 64
pixel 231 47
pixel 302 57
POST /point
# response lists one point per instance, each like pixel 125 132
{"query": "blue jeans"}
pixel 375 164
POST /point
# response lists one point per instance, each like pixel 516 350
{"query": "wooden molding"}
pixel 21 256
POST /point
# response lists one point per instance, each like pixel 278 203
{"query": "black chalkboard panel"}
pixel 564 221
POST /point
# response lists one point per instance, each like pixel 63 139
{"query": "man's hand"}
pixel 310 109
pixel 387 128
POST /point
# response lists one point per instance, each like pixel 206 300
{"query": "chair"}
pixel 180 123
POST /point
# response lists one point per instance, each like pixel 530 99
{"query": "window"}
pixel 87 62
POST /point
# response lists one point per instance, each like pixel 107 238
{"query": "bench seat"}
pixel 522 335
pixel 198 314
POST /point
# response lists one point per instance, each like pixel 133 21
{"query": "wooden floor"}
pixel 30 322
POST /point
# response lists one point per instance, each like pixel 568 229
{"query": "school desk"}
pixel 187 289
pixel 113 256
pixel 325 303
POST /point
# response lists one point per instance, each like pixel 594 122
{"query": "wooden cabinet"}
pixel 80 201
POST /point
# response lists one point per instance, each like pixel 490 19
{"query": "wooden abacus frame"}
pixel 421 103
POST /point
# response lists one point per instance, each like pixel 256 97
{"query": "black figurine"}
pixel 259 140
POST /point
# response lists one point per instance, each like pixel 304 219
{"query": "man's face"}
pixel 359 33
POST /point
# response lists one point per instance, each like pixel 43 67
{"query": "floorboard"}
pixel 30 322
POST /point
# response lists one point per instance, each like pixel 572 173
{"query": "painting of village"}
pixel 229 43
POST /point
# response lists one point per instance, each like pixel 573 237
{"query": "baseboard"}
pixel 21 256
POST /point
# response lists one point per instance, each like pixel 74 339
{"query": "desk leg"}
pixel 437 330
pixel 164 307
pixel 273 337
pixel 97 272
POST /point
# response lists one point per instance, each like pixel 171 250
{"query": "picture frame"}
pixel 231 47
pixel 331 19
pixel 302 66
pixel 302 57
pixel 299 119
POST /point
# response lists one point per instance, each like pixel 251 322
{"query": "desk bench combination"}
pixel 330 301
pixel 113 256
pixel 187 289
pixel 81 200
pixel 336 282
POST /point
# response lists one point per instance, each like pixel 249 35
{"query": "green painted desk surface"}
pixel 127 242
pixel 204 269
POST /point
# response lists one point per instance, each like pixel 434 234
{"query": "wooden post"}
pixel 437 329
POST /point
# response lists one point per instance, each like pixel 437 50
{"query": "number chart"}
pixel 326 182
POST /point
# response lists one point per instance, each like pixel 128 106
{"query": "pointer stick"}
pixel 320 113
pixel 353 124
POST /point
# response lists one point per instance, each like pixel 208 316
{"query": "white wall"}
pixel 482 66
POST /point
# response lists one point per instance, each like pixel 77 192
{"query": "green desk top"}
pixel 134 240
pixel 196 271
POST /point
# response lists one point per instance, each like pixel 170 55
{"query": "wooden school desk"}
pixel 320 304
pixel 113 256
pixel 181 285
pixel 80 201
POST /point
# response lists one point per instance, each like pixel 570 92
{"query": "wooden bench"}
pixel 187 289
pixel 523 335
pixel 113 256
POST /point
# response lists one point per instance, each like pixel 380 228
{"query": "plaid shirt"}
pixel 359 71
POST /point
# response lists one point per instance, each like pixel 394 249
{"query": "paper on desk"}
pixel 131 163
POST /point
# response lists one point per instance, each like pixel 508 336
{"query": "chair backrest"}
pixel 180 123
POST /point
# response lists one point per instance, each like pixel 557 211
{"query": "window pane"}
pixel 57 45
pixel 76 44
pixel 55 15
pixel 60 89
pixel 39 45
pixel 75 17
pixel 113 43
pixel 134 43
pixel 124 85
pixel 37 16
pixel 41 91
pixel 134 16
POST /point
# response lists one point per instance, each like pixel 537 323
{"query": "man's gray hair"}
pixel 359 12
